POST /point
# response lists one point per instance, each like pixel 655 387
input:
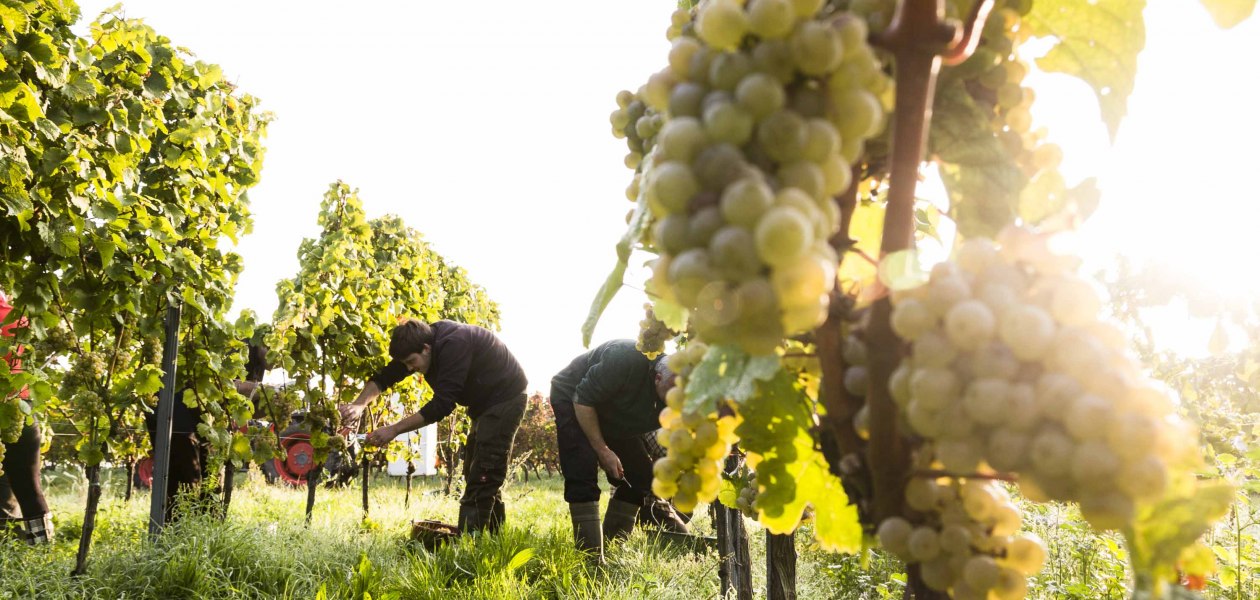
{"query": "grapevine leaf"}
pixel 1045 196
pixel 148 380
pixel 865 229
pixel 728 493
pixel 727 372
pixel 982 181
pixel 791 473
pixel 1228 13
pixel 638 222
pixel 1098 41
pixel 672 314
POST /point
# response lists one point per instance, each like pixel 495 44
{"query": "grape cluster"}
pixel 85 373
pixel 747 499
pixel 696 442
pixel 998 83
pixel 857 381
pixel 1013 369
pixel 59 340
pixel 653 334
pixel 750 131
pixel 967 541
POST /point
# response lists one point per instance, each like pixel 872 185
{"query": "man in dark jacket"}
pixel 465 365
pixel 605 402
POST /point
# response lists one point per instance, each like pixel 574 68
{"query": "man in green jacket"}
pixel 606 402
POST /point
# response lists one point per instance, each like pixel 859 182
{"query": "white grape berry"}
pixel 922 494
pixel 933 388
pixel 894 536
pixel 985 401
pixel 982 572
pixel 1074 302
pixel 933 349
pixel 1026 554
pixel 945 292
pixel 1028 331
pixel 969 324
pixel 923 544
pixel 1088 417
pixel 937 574
pixel 955 539
pixel 911 318
pixel 1051 452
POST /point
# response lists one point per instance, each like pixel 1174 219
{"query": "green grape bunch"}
pixel 1013 369
pixel 747 499
pixel 653 334
pixel 747 135
pixel 965 538
pixel 696 441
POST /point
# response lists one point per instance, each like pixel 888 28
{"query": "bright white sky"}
pixel 485 126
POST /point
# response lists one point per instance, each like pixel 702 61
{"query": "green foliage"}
pixel 355 282
pixel 125 163
pixel 1097 41
pixel 980 175
pixel 726 372
pixel 792 474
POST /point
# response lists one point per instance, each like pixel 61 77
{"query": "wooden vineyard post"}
pixel 312 482
pixel 364 459
pixel 735 560
pixel 131 476
pixel 229 476
pixel 780 566
pixel 411 471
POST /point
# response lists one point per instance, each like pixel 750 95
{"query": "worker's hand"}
pixel 380 437
pixel 611 464
pixel 350 414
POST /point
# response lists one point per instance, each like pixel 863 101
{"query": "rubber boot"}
pixel 39 530
pixel 469 520
pixel 661 514
pixel 619 520
pixel 586 532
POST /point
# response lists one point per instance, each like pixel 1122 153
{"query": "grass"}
pixel 265 550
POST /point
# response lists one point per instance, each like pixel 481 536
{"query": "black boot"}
pixel 586 533
pixel 469 520
pixel 661 514
pixel 619 520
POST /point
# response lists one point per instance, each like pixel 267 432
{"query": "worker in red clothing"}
pixel 21 496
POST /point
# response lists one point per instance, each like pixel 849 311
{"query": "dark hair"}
pixel 409 337
pixel 662 367
pixel 256 362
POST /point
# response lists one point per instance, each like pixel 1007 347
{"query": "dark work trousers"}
pixel 580 465
pixel 486 454
pixel 20 489
pixel 189 455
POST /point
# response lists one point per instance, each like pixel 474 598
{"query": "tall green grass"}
pixel 264 549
